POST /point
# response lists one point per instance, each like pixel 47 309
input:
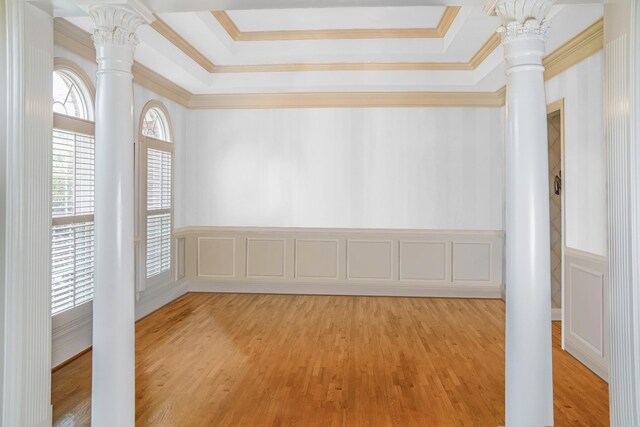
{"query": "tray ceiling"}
pixel 414 48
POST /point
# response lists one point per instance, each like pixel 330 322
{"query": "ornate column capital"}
pixel 116 24
pixel 521 19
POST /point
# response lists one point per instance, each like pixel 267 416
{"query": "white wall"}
pixel 581 86
pixel 432 168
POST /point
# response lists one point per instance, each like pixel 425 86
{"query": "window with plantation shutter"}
pixel 157 167
pixel 158 211
pixel 72 194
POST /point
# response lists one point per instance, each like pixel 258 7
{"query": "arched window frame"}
pixel 85 85
pixel 84 127
pixel 146 143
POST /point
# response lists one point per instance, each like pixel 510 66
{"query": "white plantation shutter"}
pixel 72 253
pixel 158 208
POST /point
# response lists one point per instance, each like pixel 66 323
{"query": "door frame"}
pixel 558 106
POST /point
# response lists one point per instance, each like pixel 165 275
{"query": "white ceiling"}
pixel 468 33
pixel 347 17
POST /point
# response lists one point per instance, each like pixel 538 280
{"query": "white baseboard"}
pixel 76 335
pixel 586 359
pixel 71 338
pixel 154 299
pixel 556 314
pixel 449 291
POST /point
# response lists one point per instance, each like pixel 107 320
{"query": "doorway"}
pixel 555 134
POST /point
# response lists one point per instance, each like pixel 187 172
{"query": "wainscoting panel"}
pixel 472 261
pixel 316 259
pixel 216 257
pixel 265 257
pixel 585 328
pixel 370 259
pixel 428 261
pixel 454 263
pixel 180 265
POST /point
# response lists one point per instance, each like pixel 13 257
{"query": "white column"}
pixel 25 209
pixel 113 387
pixel 622 141
pixel 529 379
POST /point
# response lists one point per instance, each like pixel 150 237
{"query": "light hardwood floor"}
pixel 283 360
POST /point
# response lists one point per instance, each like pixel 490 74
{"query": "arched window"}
pixel 155 125
pixel 71 95
pixel 156 192
pixel 72 189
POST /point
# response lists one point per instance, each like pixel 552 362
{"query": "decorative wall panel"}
pixel 462 263
pixel 316 259
pixel 420 260
pixel 586 308
pixel 369 260
pixel 216 256
pixel 180 262
pixel 472 261
pixel 265 257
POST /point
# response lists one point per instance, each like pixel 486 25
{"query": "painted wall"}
pixel 581 86
pixel 432 168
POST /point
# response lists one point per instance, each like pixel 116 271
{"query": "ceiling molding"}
pixel 581 46
pixel 347 100
pixel 72 38
pixel 153 81
pixel 178 41
pixel 485 50
pixel 446 20
pixel 584 44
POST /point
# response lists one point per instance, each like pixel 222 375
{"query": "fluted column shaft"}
pixel 622 143
pixel 113 386
pixel 529 380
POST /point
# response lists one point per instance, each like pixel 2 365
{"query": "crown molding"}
pixel 485 50
pixel 153 81
pixel 573 51
pixel 581 46
pixel 446 20
pixel 72 38
pixel 178 41
pixel 347 100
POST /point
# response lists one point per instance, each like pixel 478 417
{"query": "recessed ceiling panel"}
pixel 337 18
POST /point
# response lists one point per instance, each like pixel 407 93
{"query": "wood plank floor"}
pixel 282 360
